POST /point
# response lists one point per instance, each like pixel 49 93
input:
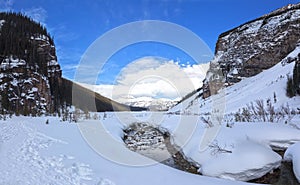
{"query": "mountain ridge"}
pixel 31 81
pixel 252 47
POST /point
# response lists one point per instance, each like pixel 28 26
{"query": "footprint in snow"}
pixel 105 182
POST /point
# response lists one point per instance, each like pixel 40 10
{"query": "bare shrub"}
pixel 207 121
pixel 216 148
pixel 259 111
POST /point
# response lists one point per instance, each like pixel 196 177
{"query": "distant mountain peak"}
pixel 153 104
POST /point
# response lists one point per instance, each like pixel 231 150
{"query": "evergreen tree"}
pixel 290 92
pixel 296 77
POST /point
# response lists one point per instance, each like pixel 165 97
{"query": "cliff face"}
pixel 29 72
pixel 254 46
pixel 30 77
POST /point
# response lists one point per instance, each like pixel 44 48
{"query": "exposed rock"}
pixel 29 71
pixel 254 46
pixel 31 80
pixel 151 142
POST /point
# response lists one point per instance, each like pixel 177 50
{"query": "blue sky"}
pixel 76 24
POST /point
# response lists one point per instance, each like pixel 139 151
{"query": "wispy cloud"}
pixel 6 5
pixel 68 54
pixel 38 14
pixel 70 67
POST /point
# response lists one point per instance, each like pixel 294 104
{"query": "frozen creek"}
pixel 151 142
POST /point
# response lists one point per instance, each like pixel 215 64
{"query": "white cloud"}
pixel 153 87
pixel 104 90
pixel 196 73
pixel 37 14
pixel 156 78
pixel 6 5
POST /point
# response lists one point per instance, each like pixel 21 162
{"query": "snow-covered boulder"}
pixel 242 152
pixel 248 160
pixel 293 154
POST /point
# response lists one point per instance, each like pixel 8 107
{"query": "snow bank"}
pixel 250 155
pixel 276 135
pixel 293 154
pixel 32 152
pixel 247 161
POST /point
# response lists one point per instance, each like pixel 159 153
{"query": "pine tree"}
pixel 296 77
pixel 293 83
pixel 290 92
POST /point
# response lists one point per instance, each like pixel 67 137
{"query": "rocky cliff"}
pixel 29 71
pixel 253 47
pixel 31 81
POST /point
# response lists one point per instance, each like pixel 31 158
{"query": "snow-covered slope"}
pixel 269 84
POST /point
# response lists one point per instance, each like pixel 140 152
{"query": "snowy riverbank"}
pixel 35 153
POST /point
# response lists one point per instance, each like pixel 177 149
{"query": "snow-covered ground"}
pixel 33 152
pixel 248 154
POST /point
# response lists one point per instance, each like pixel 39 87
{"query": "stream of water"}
pixel 151 142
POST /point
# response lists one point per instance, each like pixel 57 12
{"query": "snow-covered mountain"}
pixel 154 104
pixel 254 46
pixel 267 85
pixel 151 103
pixel 253 62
